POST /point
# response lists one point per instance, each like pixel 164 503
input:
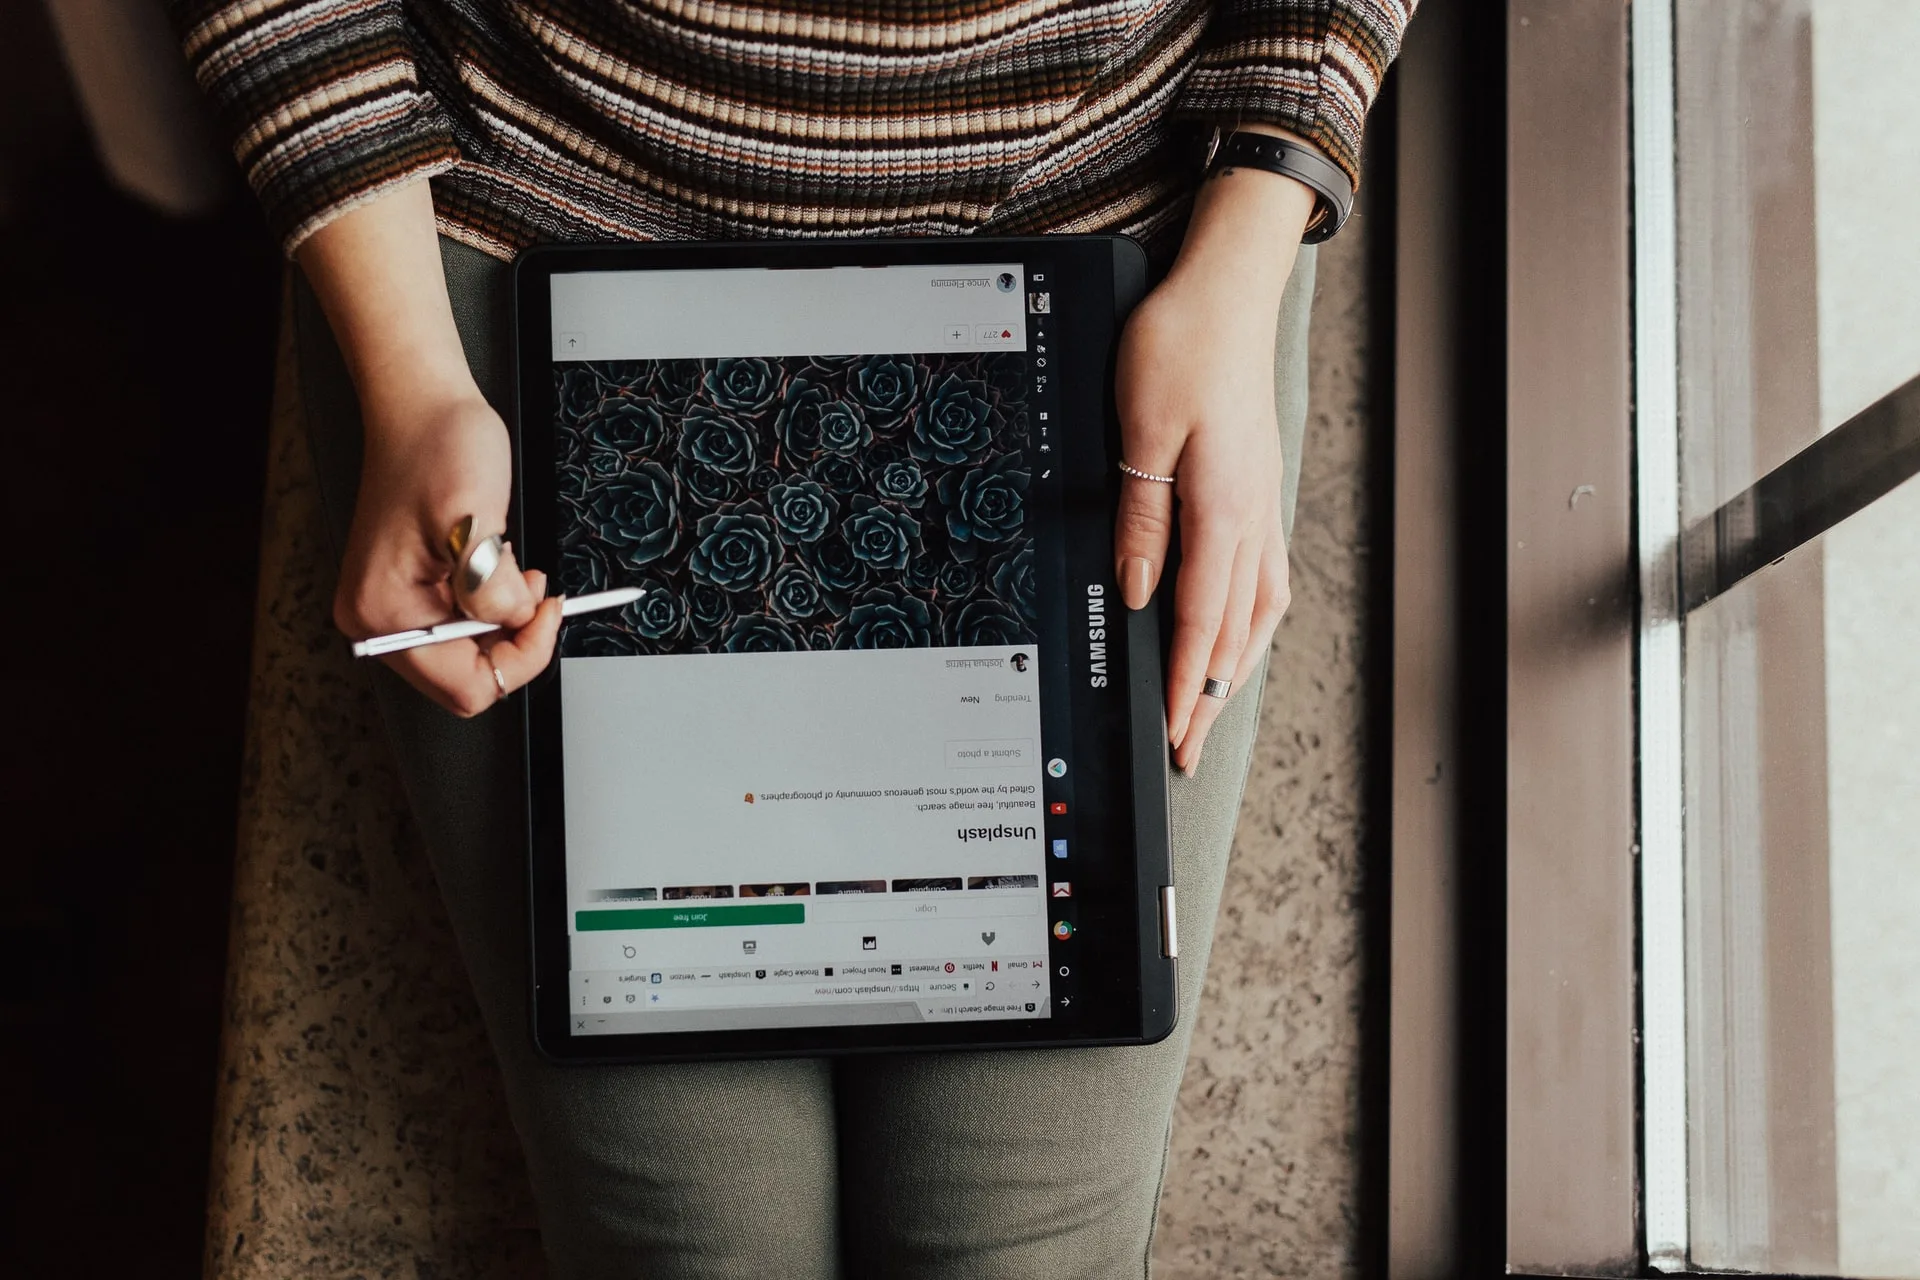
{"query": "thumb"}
pixel 1140 537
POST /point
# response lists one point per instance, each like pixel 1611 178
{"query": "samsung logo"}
pixel 1097 635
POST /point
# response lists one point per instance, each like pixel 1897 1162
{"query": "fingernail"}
pixel 1136 581
pixel 1186 764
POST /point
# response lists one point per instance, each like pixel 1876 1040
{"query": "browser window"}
pixel 811 778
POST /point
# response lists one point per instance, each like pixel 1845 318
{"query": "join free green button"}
pixel 690 917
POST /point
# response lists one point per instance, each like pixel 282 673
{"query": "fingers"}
pixel 1224 657
pixel 1270 603
pixel 504 597
pixel 459 675
pixel 1208 549
pixel 446 674
pixel 526 653
pixel 1140 538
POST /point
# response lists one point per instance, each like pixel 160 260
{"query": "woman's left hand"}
pixel 1195 393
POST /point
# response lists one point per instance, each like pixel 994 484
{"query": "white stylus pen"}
pixel 374 646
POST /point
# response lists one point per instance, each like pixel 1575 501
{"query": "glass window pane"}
pixel 1744 188
pixel 1798 192
pixel 1803 865
pixel 1797 196
pixel 1866 112
pixel 1873 794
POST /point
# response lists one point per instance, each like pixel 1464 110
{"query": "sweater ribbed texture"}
pixel 733 119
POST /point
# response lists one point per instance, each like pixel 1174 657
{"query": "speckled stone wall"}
pixel 1263 1178
pixel 360 1130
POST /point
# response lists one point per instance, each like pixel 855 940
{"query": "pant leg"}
pixel 1017 1164
pixel 714 1171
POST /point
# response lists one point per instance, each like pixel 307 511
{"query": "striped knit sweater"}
pixel 731 119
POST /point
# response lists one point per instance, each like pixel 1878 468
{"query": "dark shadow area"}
pixel 134 386
pixel 1380 191
pixel 1480 61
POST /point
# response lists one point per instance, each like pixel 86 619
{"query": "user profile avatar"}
pixel 1006 282
pixel 1019 661
pixel 1040 303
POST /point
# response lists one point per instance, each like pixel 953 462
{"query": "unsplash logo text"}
pixel 997 833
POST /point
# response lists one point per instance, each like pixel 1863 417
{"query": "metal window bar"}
pixel 1844 471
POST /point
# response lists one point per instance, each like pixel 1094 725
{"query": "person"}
pixel 405 149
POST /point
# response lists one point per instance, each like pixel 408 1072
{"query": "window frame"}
pixel 1537 1088
pixel 1512 1097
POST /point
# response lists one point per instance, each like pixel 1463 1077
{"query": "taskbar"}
pixel 625 1002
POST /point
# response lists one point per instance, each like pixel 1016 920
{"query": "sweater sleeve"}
pixel 321 100
pixel 1310 66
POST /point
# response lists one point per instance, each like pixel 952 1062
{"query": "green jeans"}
pixel 1025 1163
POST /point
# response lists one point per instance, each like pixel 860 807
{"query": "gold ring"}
pixel 458 535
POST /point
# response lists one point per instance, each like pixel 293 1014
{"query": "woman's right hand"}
pixel 445 461
pixel 436 453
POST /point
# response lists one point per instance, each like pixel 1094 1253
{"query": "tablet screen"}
pixel 821 773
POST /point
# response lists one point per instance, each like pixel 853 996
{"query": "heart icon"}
pixel 988 938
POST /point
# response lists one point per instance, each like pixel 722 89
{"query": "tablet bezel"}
pixel 1136 1004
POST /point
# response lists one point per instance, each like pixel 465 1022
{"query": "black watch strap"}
pixel 1301 163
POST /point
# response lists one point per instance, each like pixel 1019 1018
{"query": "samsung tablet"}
pixel 879 759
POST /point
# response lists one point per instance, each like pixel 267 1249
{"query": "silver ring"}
pixel 1217 688
pixel 477 566
pixel 481 562
pixel 499 681
pixel 1128 469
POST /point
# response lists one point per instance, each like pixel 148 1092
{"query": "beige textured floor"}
pixel 359 1127
pixel 360 1132
pixel 1263 1180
